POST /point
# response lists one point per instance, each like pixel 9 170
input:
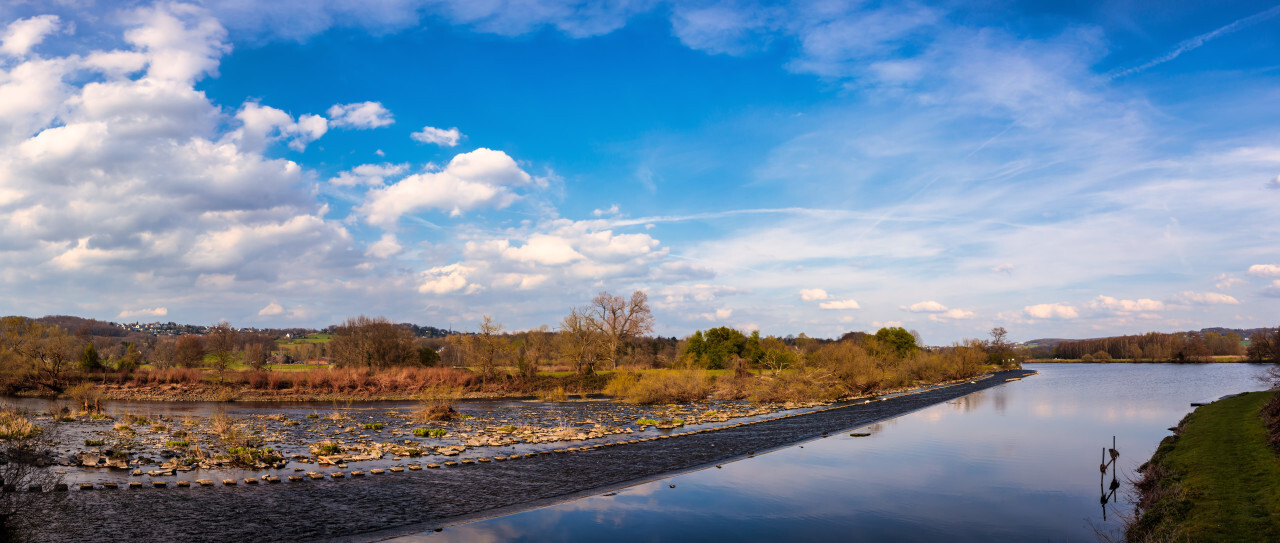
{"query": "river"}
pixel 1019 462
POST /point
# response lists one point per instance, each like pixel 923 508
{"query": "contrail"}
pixel 1196 42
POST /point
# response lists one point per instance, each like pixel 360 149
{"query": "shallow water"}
pixel 1014 463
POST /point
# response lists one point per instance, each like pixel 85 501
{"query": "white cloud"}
pixel 261 124
pixel 1051 311
pixel 1107 303
pixel 481 178
pixel 1006 269
pixel 1272 290
pixel 840 304
pixel 613 210
pixel 1205 298
pixel 437 136
pixel 1227 280
pixel 699 293
pixel 21 35
pixel 386 247
pixel 360 115
pixel 144 312
pixel 444 279
pixel 1274 184
pixel 813 294
pixel 951 314
pixel 1264 270
pixel 929 306
pixel 374 175
pixel 271 309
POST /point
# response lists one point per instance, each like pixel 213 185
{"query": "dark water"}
pixel 1014 463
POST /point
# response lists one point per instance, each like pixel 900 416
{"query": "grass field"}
pixel 1217 481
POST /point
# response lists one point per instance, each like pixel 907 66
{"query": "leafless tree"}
pixel 222 344
pixel 580 342
pixel 620 319
pixel 375 342
pixel 490 346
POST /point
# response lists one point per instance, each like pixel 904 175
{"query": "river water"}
pixel 1014 463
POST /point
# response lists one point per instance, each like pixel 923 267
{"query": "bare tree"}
pixel 534 349
pixel 255 355
pixel 47 348
pixel 25 459
pixel 620 319
pixel 490 346
pixel 222 344
pixel 580 342
pixel 189 351
pixel 375 342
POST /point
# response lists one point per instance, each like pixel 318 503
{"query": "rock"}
pixel 90 460
pixel 118 462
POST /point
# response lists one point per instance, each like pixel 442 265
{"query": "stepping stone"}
pixel 204 482
pixel 313 475
pixel 526 455
pixel 337 475
pixel 377 471
pixel 484 459
pixel 86 486
pixel 357 473
pixel 135 484
pixel 250 481
pixel 514 457
pixel 396 469
pixel 500 459
pixel 450 463
pixel 415 467
pixel 183 484
pixel 433 465
pixel 273 479
pixel 468 461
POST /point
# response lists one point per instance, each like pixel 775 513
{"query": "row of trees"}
pixel 1155 346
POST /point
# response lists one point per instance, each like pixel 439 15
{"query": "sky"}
pixel 1061 169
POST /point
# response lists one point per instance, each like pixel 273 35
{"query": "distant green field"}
pixel 313 338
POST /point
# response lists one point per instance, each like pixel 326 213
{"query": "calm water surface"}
pixel 1014 463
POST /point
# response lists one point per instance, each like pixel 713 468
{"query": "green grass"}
pixel 94 443
pixel 372 426
pixel 1224 480
pixel 429 432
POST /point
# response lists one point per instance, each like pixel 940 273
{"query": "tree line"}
pixel 1154 347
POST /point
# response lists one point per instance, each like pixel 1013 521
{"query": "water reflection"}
pixel 1003 465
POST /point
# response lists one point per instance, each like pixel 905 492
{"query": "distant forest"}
pixel 1256 343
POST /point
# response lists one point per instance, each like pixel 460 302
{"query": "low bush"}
pixel 660 387
pixel 372 426
pixel 94 443
pixel 429 432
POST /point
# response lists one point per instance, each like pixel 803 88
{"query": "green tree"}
pixel 89 359
pixel 898 340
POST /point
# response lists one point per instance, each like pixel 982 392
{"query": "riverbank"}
pixel 370 507
pixel 1215 479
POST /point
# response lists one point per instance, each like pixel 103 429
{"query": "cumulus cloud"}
pixel 481 178
pixel 1272 290
pixel 952 314
pixel 437 136
pixel 1205 298
pixel 840 304
pixel 262 124
pixel 112 161
pixel 360 115
pixel 271 309
pixel 144 312
pixel 715 316
pixel 813 294
pixel 1227 280
pixel 373 175
pixel 22 35
pixel 1264 270
pixel 1051 311
pixel 386 247
pixel 1107 303
pixel 444 279
pixel 929 306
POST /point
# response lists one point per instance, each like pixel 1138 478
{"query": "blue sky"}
pixel 1059 169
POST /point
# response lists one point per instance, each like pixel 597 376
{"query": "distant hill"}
pixel 1050 343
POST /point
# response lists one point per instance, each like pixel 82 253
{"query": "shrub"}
pixel 373 426
pixel 177 444
pixel 556 395
pixel 647 422
pixel 666 386
pixel 328 448
pixel 429 432
pixel 94 443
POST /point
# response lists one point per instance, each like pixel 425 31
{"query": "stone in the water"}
pixel 110 486
pixel 229 482
pixel 204 482
pixel 135 484
pixel 86 486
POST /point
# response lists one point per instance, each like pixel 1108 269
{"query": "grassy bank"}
pixel 1216 479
